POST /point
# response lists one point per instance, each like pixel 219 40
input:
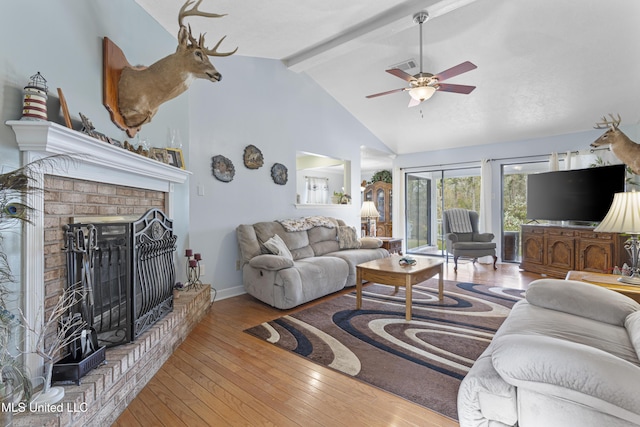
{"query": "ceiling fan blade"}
pixel 413 102
pixel 454 71
pixel 386 93
pixel 399 73
pixel 464 89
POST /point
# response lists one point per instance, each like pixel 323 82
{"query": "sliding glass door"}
pixel 428 195
pixel 514 205
pixel 420 189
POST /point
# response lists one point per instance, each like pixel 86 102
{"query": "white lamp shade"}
pixel 369 210
pixel 422 93
pixel 623 215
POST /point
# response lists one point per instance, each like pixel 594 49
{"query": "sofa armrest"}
pixel 452 237
pixel 370 243
pixel 569 371
pixel 270 262
pixel 484 398
pixel 483 237
pixel 581 299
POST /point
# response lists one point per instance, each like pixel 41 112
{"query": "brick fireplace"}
pixel 65 198
pixel 100 180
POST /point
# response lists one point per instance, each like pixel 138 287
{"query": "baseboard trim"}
pixel 221 294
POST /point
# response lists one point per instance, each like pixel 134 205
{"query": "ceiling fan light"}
pixel 422 93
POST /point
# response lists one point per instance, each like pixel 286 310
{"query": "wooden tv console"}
pixel 555 250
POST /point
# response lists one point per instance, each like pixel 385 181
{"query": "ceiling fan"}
pixel 423 85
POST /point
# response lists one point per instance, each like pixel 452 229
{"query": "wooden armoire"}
pixel 380 193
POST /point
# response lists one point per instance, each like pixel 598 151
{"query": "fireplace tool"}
pixel 83 246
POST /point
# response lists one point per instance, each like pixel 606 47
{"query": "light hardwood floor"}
pixel 221 376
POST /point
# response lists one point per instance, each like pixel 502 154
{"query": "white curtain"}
pixel 316 190
pixel 484 224
pixel 485 197
pixel 567 160
pixel 554 163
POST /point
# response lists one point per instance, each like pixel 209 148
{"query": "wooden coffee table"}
pixel 387 271
pixel 609 281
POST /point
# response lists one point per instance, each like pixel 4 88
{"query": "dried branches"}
pixel 15 188
pixel 67 330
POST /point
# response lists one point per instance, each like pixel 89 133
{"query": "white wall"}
pixel 500 153
pixel 262 103
pixel 258 102
pixel 63 40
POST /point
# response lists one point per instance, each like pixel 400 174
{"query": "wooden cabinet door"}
pixel 380 194
pixel 532 247
pixel 594 255
pixel 561 252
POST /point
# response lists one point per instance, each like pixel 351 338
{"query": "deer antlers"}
pixel 184 12
pixel 613 123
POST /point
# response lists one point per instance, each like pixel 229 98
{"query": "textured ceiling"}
pixel 545 67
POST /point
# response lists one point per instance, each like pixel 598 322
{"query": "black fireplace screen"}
pixel 127 272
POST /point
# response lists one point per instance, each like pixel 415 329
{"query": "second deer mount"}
pixel 133 94
pixel 622 147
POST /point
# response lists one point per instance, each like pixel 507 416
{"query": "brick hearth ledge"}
pixel 105 392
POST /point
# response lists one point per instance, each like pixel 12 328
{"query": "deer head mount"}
pixel 622 147
pixel 133 94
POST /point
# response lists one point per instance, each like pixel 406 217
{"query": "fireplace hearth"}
pixel 126 270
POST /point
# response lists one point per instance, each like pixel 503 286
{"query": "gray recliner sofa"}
pixel 567 355
pixel 317 267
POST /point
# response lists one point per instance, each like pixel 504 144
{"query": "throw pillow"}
pixel 348 237
pixel 277 246
pixel 370 243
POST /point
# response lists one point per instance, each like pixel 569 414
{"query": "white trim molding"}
pixel 91 160
pixel 94 160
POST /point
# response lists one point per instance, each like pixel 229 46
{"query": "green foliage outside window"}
pixel 514 201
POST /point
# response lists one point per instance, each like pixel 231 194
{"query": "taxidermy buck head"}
pixel 141 90
pixel 622 147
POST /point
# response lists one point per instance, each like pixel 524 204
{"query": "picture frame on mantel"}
pixel 159 154
pixel 175 157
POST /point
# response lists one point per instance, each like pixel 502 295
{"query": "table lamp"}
pixel 624 217
pixel 369 212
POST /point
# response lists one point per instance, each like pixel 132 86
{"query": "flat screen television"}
pixel 580 195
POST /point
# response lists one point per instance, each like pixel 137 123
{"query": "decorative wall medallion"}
pixel 253 157
pixel 223 168
pixel 156 231
pixel 279 173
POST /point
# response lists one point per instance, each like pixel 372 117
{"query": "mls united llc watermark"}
pixel 43 407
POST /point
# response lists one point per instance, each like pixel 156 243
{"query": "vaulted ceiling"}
pixel 545 67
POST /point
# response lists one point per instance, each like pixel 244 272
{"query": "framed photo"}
pixel 175 157
pixel 159 154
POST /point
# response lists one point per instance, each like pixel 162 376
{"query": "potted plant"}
pixel 383 175
pixel 341 198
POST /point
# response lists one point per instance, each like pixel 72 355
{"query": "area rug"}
pixel 423 360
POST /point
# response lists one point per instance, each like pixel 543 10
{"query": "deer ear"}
pixel 183 36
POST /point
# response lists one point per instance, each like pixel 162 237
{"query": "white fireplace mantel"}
pixel 93 160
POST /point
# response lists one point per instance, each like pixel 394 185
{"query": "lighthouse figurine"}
pixel 34 106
